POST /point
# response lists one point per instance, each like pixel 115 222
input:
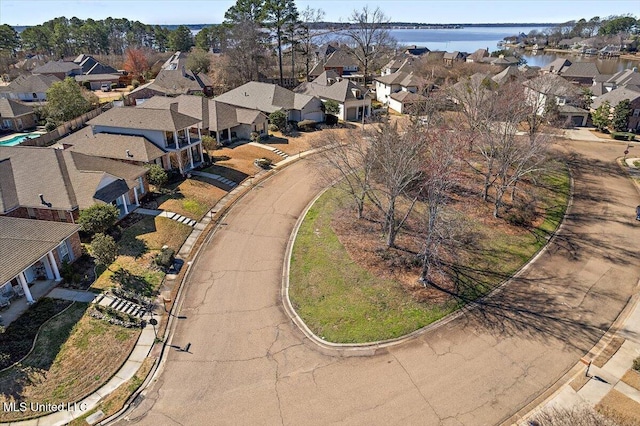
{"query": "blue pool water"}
pixel 15 140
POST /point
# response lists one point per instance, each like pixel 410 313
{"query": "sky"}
pixel 34 12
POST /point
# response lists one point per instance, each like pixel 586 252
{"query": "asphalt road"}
pixel 249 364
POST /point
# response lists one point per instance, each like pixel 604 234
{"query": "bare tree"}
pixel 348 159
pixel 578 416
pixel 474 96
pixel 397 169
pixel 306 43
pixel 370 36
pixel 441 167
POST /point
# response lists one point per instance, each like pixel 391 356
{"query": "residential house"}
pixel 626 78
pixel 618 95
pixel 478 55
pixel 547 88
pixel 269 98
pixel 472 89
pixel 507 75
pixel 406 102
pixel 177 135
pixel 400 81
pixel 450 57
pixel 351 97
pixel 582 73
pixel 33 250
pixel 223 121
pixel 60 69
pixel 16 115
pixel 94 73
pixel 555 67
pixel 53 184
pixel 29 88
pixel 174 79
pixel 341 62
pixel 400 64
pixel 415 51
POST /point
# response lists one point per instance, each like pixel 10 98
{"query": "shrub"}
pixel 87 85
pixel 50 126
pixel 307 125
pixel 636 364
pixel 103 249
pixel 157 176
pixel 273 128
pixel 278 119
pixel 255 137
pixel 165 258
pixel 135 83
pixel 331 107
pixel 114 86
pixel 263 163
pixel 98 218
pixel 623 136
pixel 331 120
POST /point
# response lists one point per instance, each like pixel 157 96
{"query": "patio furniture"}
pixel 9 293
pixel 4 303
pixel 19 291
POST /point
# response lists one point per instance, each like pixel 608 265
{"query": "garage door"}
pixel 352 114
pixel 576 121
pixel 315 116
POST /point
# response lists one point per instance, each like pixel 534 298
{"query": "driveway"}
pixel 249 364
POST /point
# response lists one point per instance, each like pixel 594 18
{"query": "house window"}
pixel 63 252
pixel 35 95
pixel 62 215
pixel 31 213
pixel 141 185
pixel 636 112
pixel 6 124
pixel 561 101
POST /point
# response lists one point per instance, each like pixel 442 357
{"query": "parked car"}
pixel 106 87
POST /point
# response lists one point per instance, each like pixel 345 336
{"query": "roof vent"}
pixel 44 203
pixel 129 154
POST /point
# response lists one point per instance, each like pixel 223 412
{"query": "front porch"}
pixel 19 304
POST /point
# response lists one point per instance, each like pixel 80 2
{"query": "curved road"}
pixel 249 364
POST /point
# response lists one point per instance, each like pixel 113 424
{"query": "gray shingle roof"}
pixel 615 97
pixel 339 91
pixel 119 147
pixel 402 78
pixel 10 108
pixel 52 67
pixel 556 65
pixel 626 77
pixel 340 58
pixel 68 180
pixel 264 97
pixel 408 97
pixel 25 241
pixel 176 82
pixel 580 69
pixel 144 119
pixel 191 105
pixel 552 84
pixel 31 83
pixel 8 193
pixel 97 77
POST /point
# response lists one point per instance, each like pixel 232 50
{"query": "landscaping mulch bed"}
pixel 17 339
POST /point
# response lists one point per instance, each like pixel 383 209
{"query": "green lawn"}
pixel 342 302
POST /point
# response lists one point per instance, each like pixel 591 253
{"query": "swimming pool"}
pixel 16 139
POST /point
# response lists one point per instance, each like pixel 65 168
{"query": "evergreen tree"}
pixel 600 116
pixel 621 112
pixel 280 14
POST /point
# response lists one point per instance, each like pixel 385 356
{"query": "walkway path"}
pixel 213 176
pixel 249 364
pixel 270 148
pixel 171 215
pixel 73 295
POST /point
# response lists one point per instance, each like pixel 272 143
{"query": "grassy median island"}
pixel 345 298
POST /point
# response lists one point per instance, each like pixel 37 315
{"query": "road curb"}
pixel 368 349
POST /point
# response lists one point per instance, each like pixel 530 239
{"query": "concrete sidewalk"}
pixel 604 379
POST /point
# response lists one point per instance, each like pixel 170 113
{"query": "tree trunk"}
pixel 280 55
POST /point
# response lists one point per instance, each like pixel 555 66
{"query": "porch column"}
pixel 124 203
pixel 188 136
pixel 47 267
pixel 201 152
pixel 54 266
pixel 179 156
pixel 199 134
pixel 175 138
pixel 135 195
pixel 229 134
pixel 217 136
pixel 25 288
pixel 190 156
